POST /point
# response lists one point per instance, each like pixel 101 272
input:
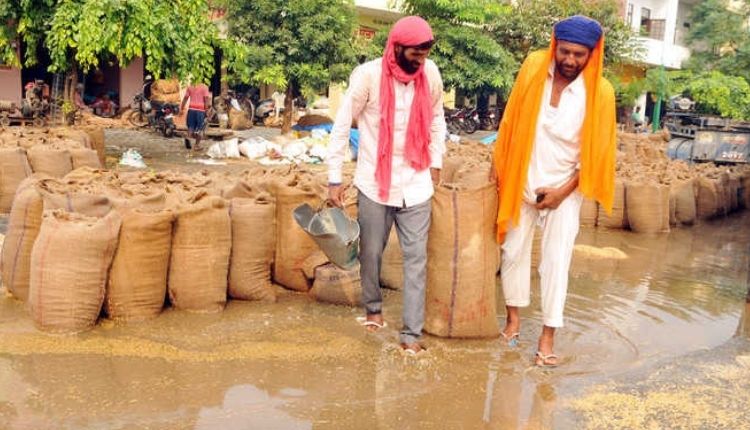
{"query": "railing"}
pixel 654 28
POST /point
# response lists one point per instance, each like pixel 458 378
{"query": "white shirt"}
pixel 557 144
pixel 362 101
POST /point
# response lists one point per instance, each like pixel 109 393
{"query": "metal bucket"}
pixel 336 234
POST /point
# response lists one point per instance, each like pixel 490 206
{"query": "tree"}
pixel 713 92
pixel 303 45
pixel 529 27
pixel 176 37
pixel 468 56
pixel 719 38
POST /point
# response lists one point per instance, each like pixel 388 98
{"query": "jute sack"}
pixel 96 137
pixel 536 248
pixel 199 266
pixel 722 187
pixel 684 199
pixel 472 174
pixel 84 157
pixel 14 168
pixel 96 205
pixel 238 120
pixel 240 189
pixel 69 265
pixel 451 165
pixel 648 207
pixel 589 213
pixel 619 216
pixel 54 162
pixel 707 200
pixel 23 227
pixel 461 263
pixel 733 185
pixel 138 278
pixel 745 193
pixel 337 286
pixel 293 245
pixel 392 268
pixel 253 246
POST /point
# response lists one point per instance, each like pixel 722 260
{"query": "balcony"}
pixel 658 52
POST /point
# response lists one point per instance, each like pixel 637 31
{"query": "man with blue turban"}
pixel 555 146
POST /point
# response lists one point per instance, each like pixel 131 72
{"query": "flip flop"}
pixel 411 352
pixel 513 339
pixel 363 322
pixel 541 360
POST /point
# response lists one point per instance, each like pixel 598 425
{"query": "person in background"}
pixel 200 101
pixel 105 107
pixel 637 118
pixel 397 101
pixel 556 144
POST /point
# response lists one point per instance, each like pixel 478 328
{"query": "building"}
pixel 662 27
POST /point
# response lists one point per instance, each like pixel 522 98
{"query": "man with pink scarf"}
pixel 397 101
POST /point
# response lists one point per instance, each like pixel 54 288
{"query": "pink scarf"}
pixel 408 31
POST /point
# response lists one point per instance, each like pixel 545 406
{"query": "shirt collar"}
pixel 576 87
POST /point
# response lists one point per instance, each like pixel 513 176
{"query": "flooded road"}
pixel 658 340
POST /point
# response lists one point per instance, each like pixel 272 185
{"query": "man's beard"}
pixel 407 66
pixel 566 72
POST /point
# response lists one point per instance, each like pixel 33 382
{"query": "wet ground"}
pixel 658 340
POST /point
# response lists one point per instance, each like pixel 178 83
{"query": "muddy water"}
pixel 658 340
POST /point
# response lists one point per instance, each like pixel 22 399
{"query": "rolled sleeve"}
pixel 352 104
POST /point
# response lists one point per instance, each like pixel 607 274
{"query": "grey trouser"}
pixel 412 224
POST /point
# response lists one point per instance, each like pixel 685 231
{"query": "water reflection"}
pixel 248 407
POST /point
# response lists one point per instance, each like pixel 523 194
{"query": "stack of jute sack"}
pixel 654 193
pixel 53 152
pixel 122 241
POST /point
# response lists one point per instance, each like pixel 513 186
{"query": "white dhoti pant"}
pixel 559 231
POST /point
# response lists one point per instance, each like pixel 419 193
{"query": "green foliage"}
pixel 176 36
pixel 530 25
pixel 714 92
pixel 719 38
pixel 303 43
pixel 627 92
pixel 465 51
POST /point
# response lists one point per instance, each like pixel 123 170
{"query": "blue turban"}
pixel 579 29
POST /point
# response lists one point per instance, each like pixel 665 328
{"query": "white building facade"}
pixel 662 26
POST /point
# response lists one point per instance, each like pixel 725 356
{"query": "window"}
pixel 645 20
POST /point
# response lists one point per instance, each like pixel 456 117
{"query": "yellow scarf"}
pixel 515 139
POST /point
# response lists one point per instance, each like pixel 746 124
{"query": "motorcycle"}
pixel 461 120
pixel 490 119
pixel 158 115
pixel 471 120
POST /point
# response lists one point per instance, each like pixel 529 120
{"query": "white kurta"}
pixel 554 160
pixel 362 102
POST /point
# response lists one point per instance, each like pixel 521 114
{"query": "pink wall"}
pixel 131 81
pixel 10 84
